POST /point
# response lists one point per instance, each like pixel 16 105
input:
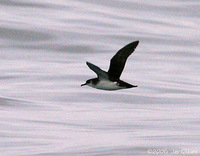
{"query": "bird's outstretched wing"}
pixel 118 61
pixel 100 73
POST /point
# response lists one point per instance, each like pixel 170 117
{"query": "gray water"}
pixel 43 49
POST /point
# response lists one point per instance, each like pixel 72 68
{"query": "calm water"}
pixel 43 49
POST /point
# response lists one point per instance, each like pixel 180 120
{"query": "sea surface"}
pixel 44 45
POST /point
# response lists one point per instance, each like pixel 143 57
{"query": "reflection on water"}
pixel 44 46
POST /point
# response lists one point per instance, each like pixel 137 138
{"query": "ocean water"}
pixel 43 49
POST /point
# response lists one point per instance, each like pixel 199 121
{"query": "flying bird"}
pixel 111 80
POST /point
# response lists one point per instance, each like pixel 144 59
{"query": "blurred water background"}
pixel 43 49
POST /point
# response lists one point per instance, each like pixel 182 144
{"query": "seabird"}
pixel 111 80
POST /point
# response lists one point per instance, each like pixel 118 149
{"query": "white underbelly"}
pixel 107 85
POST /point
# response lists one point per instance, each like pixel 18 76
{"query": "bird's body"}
pixel 104 85
pixel 111 80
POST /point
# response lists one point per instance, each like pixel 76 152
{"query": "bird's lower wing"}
pixel 100 73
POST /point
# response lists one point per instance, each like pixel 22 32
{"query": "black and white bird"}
pixel 111 80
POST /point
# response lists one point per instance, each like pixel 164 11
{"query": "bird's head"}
pixel 87 82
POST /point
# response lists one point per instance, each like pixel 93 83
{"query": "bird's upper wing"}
pixel 118 61
pixel 100 73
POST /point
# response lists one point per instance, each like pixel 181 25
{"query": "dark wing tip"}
pixel 88 63
pixel 135 43
pixel 129 48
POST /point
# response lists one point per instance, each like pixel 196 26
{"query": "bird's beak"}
pixel 84 84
